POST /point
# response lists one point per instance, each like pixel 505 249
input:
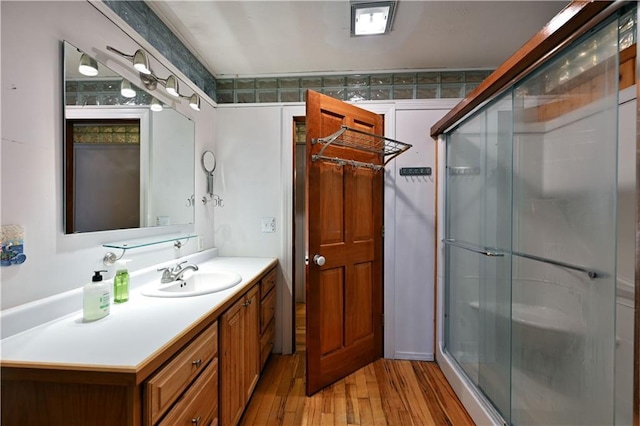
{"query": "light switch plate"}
pixel 268 224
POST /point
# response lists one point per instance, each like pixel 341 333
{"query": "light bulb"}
pixel 172 86
pixel 126 90
pixel 88 66
pixel 141 62
pixel 194 102
pixel 156 105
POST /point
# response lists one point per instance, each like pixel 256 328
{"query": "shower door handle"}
pixel 319 260
pixel 465 246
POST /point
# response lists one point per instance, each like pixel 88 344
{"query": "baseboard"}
pixel 414 356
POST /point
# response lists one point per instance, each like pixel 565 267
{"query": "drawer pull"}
pixel 195 421
pixel 197 363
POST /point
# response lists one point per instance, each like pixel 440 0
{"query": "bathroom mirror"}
pixel 209 165
pixel 129 159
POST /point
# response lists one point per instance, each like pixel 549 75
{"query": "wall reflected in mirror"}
pixel 129 158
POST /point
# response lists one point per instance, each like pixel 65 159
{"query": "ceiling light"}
pixel 371 17
pixel 171 85
pixel 88 65
pixel 194 102
pixel 141 62
pixel 126 90
pixel 156 105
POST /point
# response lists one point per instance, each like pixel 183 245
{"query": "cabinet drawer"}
pixel 267 283
pixel 267 310
pixel 168 383
pixel 199 405
pixel 266 342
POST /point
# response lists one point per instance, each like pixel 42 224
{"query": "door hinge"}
pixel 383 232
pixel 383 320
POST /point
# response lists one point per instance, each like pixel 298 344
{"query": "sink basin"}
pixel 195 284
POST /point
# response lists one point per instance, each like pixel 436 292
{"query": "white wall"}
pixel 248 179
pixel 31 151
pixel 414 252
pixel 254 178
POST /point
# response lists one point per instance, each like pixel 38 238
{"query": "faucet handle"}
pixel 178 266
pixel 167 273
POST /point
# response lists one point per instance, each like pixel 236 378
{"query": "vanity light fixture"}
pixel 150 80
pixel 141 62
pixel 88 66
pixel 139 59
pixel 171 85
pixel 126 90
pixel 156 105
pixel 194 102
pixel 371 17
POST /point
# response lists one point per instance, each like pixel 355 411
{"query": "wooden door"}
pixel 344 217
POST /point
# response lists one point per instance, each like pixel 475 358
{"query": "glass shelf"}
pixel 110 258
pixel 144 242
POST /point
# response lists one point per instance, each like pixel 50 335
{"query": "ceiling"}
pixel 259 38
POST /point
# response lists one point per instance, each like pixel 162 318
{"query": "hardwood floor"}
pixel 386 392
pixel 301 328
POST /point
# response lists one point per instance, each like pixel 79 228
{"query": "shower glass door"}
pixel 564 227
pixel 478 239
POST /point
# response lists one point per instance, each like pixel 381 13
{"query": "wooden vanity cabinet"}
pixel 267 316
pixel 209 370
pixel 170 389
pixel 182 390
pixel 247 331
pixel 239 355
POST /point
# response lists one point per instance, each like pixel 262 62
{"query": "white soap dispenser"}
pixel 96 302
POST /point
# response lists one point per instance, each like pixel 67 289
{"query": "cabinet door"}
pixel 232 395
pixel 251 340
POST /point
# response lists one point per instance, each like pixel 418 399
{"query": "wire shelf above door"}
pixel 362 141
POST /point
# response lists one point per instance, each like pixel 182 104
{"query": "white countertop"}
pixel 132 332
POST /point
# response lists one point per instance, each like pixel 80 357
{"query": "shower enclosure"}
pixel 530 240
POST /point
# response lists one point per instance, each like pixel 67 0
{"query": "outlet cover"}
pixel 200 243
pixel 268 224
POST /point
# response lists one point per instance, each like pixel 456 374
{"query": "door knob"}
pixel 319 260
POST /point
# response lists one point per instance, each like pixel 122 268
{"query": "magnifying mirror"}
pixel 209 165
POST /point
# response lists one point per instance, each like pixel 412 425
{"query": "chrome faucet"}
pixel 171 274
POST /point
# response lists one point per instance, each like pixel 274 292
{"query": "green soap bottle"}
pixel 121 282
